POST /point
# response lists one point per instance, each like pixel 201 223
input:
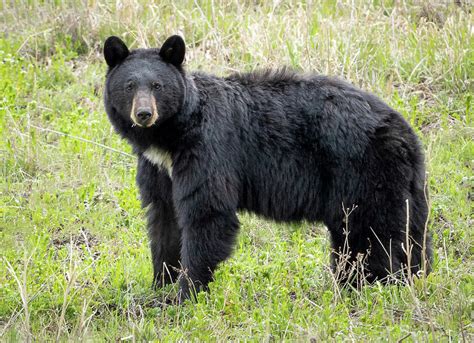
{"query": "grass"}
pixel 75 259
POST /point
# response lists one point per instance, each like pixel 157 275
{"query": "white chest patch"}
pixel 160 158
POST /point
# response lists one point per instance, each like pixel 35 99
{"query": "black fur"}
pixel 286 146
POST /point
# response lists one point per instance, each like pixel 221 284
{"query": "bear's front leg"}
pixel 165 236
pixel 208 238
pixel 205 193
pixel 164 243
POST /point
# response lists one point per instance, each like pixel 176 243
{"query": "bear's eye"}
pixel 156 85
pixel 129 86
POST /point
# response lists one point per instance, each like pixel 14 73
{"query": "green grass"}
pixel 75 254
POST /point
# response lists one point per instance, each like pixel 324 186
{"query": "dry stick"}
pixel 344 255
pixel 83 324
pixel 347 249
pixel 165 270
pixel 25 301
pixel 67 290
pixel 424 256
pixel 73 274
pixel 408 252
pixel 389 254
pixel 425 237
pixel 31 36
pixel 86 241
pixel 404 338
pixel 81 328
pixel 407 241
pixel 23 294
pixel 83 321
pixel 82 140
pixel 19 311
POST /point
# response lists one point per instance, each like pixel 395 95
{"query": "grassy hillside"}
pixel 75 257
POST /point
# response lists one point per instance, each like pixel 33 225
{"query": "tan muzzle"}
pixel 144 112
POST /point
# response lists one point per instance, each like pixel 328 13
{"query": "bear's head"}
pixel 144 87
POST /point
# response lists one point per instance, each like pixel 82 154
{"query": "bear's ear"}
pixel 115 51
pixel 173 50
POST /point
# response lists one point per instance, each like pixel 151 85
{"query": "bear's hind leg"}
pixel 375 246
pixel 353 257
pixel 361 256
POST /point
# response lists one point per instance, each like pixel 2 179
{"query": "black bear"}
pixel 283 145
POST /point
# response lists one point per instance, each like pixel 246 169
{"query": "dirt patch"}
pixel 77 241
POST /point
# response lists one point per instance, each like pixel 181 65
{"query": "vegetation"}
pixel 75 257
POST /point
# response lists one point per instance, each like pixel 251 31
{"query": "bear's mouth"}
pixel 144 112
pixel 144 123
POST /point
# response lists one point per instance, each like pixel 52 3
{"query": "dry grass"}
pixel 74 248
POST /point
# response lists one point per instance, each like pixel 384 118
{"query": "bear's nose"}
pixel 143 113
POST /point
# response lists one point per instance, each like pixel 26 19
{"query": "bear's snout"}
pixel 144 111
